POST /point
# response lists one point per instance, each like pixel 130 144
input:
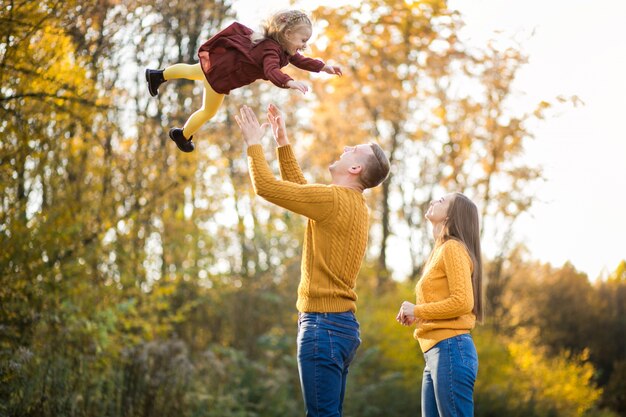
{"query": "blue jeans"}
pixel 327 343
pixel 449 376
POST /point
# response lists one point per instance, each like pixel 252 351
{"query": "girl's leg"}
pixel 186 71
pixel 211 102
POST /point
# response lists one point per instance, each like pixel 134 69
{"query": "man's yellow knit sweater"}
pixel 336 231
pixel 445 296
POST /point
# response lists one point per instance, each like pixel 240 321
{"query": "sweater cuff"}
pixel 416 311
pixel 285 151
pixel 255 149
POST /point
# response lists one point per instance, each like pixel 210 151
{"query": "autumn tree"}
pixel 440 111
pixel 139 281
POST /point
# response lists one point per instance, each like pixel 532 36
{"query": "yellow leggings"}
pixel 211 101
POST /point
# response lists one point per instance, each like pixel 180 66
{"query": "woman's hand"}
pixel 250 128
pixel 406 315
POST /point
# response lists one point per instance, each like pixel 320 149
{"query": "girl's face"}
pixel 296 38
pixel 438 210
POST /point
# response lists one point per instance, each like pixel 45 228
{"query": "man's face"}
pixel 352 156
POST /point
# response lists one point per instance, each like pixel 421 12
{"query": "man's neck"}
pixel 348 183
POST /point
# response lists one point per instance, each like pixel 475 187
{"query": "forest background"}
pixel 136 280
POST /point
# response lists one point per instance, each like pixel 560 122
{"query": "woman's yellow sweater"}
pixel 336 231
pixel 445 296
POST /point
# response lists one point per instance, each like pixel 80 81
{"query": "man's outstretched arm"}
pixel 289 167
pixel 314 201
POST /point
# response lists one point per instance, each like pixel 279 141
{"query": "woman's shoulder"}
pixel 453 243
pixel 454 246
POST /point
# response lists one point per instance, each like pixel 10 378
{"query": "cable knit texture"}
pixel 335 236
pixel 445 296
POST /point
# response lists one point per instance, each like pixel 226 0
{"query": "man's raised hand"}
pixel 250 128
pixel 277 123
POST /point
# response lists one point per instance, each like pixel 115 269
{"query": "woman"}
pixel 449 302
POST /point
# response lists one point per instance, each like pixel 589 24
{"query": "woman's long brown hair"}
pixel 462 225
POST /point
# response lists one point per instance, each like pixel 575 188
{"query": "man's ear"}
pixel 355 169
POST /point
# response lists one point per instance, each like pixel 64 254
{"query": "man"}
pixel 333 250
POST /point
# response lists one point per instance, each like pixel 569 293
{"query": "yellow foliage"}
pixel 562 383
pixel 395 342
pixel 440 112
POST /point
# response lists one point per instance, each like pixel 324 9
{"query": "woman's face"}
pixel 438 210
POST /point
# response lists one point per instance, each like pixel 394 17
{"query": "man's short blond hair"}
pixel 376 167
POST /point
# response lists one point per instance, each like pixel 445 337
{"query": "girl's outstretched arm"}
pixel 332 69
pixel 298 85
pixel 306 63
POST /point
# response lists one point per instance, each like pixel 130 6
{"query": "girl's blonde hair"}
pixel 276 26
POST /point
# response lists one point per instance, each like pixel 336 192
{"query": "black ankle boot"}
pixel 183 144
pixel 155 79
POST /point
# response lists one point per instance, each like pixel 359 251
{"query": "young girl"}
pixel 238 56
pixel 449 301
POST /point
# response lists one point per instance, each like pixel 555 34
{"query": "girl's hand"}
pixel 297 85
pixel 277 123
pixel 406 315
pixel 332 69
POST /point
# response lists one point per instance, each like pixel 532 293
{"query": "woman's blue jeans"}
pixel 327 343
pixel 449 376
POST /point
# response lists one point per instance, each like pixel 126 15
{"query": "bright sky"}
pixel 575 47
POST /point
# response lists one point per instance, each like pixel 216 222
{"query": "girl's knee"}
pixel 208 114
pixel 204 115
